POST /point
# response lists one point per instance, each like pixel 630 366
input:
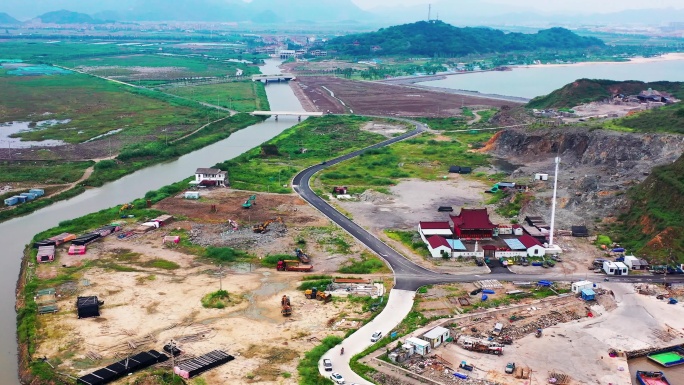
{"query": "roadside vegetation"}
pixel 366 263
pixel 271 166
pixel 424 157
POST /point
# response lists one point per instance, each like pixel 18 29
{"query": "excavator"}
pixel 249 202
pixel 124 207
pixel 262 228
pixel 285 307
pixel 323 296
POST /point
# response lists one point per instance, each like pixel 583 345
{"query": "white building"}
pixel 533 246
pixel 421 347
pixel 541 176
pixel 210 177
pixel 436 336
pixel 615 268
pixel 578 286
pixel 438 246
pixel 428 229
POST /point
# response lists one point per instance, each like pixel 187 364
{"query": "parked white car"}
pixel 327 365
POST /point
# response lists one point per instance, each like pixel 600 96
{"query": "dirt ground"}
pixel 572 343
pixel 415 200
pixel 299 222
pixel 147 307
pixel 368 98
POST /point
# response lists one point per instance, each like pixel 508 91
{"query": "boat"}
pixel 651 378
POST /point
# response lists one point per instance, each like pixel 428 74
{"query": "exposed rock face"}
pixel 597 167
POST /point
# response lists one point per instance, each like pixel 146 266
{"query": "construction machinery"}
pixel 311 293
pixel 302 257
pixel 292 265
pixel 285 306
pixel 483 347
pixel 323 296
pixel 263 227
pixel 125 206
pixel 249 202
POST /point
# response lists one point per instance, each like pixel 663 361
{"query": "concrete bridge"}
pixel 298 114
pixel 273 78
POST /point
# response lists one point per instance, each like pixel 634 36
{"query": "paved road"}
pixel 408 276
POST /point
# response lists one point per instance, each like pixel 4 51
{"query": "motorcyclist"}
pixel 342 351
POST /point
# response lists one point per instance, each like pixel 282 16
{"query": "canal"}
pixel 16 233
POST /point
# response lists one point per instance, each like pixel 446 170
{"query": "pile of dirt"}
pixel 374 197
pixel 244 239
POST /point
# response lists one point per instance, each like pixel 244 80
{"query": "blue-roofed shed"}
pixel 515 244
pixel 456 244
pixel 588 295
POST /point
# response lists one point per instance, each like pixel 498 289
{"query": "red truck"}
pixel 292 265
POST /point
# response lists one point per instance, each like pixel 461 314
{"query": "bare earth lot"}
pixel 147 306
pixel 368 98
pixel 415 200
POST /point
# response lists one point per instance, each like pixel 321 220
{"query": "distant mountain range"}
pixel 6 19
pixel 260 11
pixel 466 12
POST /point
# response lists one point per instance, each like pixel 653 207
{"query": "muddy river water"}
pixel 15 234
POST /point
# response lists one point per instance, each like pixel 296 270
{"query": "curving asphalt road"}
pixel 408 276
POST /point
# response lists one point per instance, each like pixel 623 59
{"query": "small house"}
pixel 191 195
pixel 46 254
pixel 540 176
pixel 428 229
pixel 578 286
pixel 438 246
pixel 88 307
pixel 533 246
pixel 210 177
pixel 615 268
pixel 436 336
pixel 517 230
pixel 588 294
pixel 421 347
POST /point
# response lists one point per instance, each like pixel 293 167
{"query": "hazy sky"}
pixel 579 6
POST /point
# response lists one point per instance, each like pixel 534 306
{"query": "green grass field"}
pixel 422 157
pixel 246 96
pixel 95 107
pixel 273 164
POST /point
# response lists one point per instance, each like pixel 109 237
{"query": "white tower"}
pixel 553 203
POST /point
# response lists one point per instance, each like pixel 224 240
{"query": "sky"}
pixel 577 6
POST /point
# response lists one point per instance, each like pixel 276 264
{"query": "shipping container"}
pixel 38 191
pixel 20 198
pixel 29 196
pixel 11 201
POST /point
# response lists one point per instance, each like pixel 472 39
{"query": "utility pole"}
pixel 429 11
pixel 553 202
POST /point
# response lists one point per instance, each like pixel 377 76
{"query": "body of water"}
pixel 15 234
pixel 529 82
pixel 675 374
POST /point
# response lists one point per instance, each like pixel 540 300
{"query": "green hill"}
pixel 66 17
pixel 438 38
pixel 653 225
pixel 664 119
pixel 6 19
pixel 591 90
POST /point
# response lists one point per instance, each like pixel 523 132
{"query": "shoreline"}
pixel 668 57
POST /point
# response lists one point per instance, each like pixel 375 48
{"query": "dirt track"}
pixel 368 98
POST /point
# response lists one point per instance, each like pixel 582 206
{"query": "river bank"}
pixel 16 233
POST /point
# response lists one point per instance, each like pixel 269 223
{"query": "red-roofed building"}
pixel 473 224
pixel 534 247
pixel 438 246
pixel 428 229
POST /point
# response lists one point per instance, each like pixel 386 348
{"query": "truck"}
pixel 292 265
pixel 497 329
pixel 483 347
pixel 302 256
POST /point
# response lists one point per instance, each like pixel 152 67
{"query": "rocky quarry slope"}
pixel 597 168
